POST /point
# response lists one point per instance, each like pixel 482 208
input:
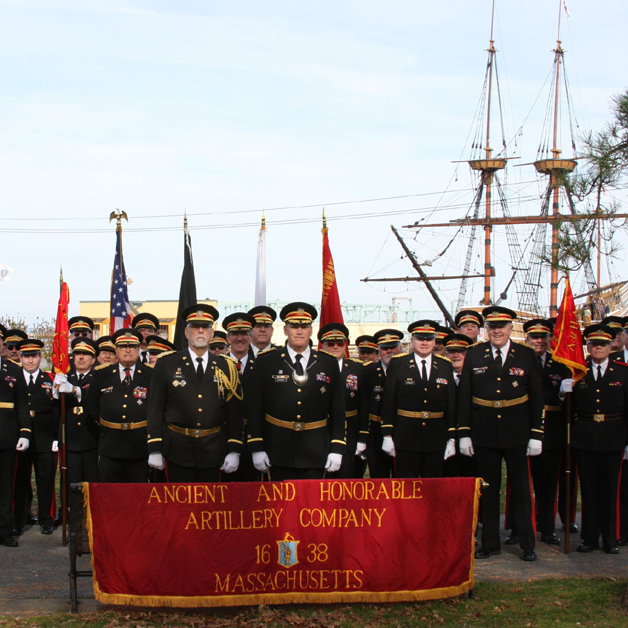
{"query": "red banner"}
pixel 567 343
pixel 194 545
pixel 60 348
pixel 331 312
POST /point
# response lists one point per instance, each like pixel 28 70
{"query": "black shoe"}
pixel 8 541
pixel 46 529
pixel 622 541
pixel 611 548
pixel 17 531
pixel 550 539
pixel 513 539
pixel 484 553
pixel 585 548
pixel 31 520
pixel 529 555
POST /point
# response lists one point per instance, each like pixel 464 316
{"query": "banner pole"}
pixel 64 474
pixel 568 474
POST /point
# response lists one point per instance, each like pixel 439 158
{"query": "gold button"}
pixel 198 425
pixel 499 416
pixel 423 424
pixel 426 389
pixel 597 401
pixel 200 396
pixel 298 416
pixel 499 391
pixel 499 379
pixel 298 390
pixel 200 409
pixel 79 424
pixel 299 403
pixel 124 417
pixel 424 400
pixel 124 405
pixel 598 390
pixel 125 396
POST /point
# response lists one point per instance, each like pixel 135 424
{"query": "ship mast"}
pixel 488 167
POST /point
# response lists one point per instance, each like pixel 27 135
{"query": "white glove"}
pixel 60 378
pixel 466 446
pixel 156 460
pixel 22 444
pixel 231 463
pixel 535 447
pixel 261 461
pixel 566 386
pixel 66 387
pixel 450 450
pixel 626 453
pixel 55 446
pixel 360 449
pixel 333 463
pixel 388 446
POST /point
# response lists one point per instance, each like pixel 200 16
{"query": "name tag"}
pixel 104 391
pixel 480 370
pixel 409 382
pixel 280 379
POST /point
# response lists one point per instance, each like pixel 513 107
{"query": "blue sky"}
pixel 223 109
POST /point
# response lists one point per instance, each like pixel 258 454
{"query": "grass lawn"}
pixel 541 603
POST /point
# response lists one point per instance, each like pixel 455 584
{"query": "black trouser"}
pixel 562 490
pixel 82 466
pixel 45 465
pixel 623 502
pixel 599 486
pixel 359 468
pixel 246 471
pixel 545 470
pixel 177 473
pixel 412 464
pixel 279 474
pixel 23 488
pixel 123 470
pixel 489 467
pixel 381 465
pixel 7 473
pixel 459 466
pixel 347 465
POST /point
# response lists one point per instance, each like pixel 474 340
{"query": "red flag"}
pixel 567 343
pixel 331 312
pixel 60 357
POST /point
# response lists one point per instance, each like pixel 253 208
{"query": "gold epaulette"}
pixel 14 362
pixel 441 357
pixel 102 366
pixel 367 362
pixel 266 351
pixel 355 360
pixel 148 364
pixel 329 354
pixel 399 355
pixel 161 355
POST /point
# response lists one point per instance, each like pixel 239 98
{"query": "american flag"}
pixel 120 306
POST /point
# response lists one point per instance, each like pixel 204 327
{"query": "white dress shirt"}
pixel 428 364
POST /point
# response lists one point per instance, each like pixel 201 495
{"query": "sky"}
pixel 230 110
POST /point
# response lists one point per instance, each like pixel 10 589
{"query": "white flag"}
pixel 5 272
pixel 260 274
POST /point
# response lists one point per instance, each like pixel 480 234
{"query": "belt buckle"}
pixel 298 426
pixel 497 404
pixel 125 426
pixel 598 418
pixel 32 413
pixel 197 433
pixel 426 415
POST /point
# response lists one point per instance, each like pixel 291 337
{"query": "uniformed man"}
pixel 419 411
pixel 158 346
pixel 297 420
pixel 500 417
pixel 239 326
pixel 44 445
pixel 262 332
pixel 616 323
pixel 599 435
pixel 469 323
pixel 623 489
pixel 368 351
pixel 106 351
pixel 81 327
pixel 545 467
pixel 117 399
pixel 15 434
pixel 195 413
pixel 81 434
pixel 334 339
pixel 148 325
pixel 456 346
pixel 218 344
pixel 13 338
pixel 380 464
pixel 442 332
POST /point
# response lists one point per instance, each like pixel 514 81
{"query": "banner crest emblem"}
pixel 287 555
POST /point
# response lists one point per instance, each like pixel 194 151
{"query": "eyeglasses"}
pixel 81 334
pixel 335 343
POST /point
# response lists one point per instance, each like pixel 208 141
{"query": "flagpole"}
pixel 118 215
pixel 568 473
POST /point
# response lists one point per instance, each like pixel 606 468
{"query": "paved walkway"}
pixel 34 577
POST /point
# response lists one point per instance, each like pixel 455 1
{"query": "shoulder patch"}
pixel 440 357
pixel 13 362
pixel 100 367
pixel 273 348
pixel 357 361
pixel 399 355
pixel 165 353
pixel 367 362
pixel 329 354
pixel 150 366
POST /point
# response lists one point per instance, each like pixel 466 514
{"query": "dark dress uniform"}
pixel 599 435
pixel 380 464
pixel 121 411
pixel 15 423
pixel 546 467
pixel 352 377
pixel 81 434
pixel 501 409
pixel 194 424
pixel 44 411
pixel 419 415
pixel 296 425
pixel 622 356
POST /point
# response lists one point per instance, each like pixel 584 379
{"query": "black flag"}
pixel 187 293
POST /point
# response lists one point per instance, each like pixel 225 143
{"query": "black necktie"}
pixel 80 378
pixel 127 377
pixel 498 358
pixel 299 367
pixel 240 366
pixel 599 373
pixel 199 370
pixel 423 370
pixel 31 383
pixel 145 357
pixel 541 362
